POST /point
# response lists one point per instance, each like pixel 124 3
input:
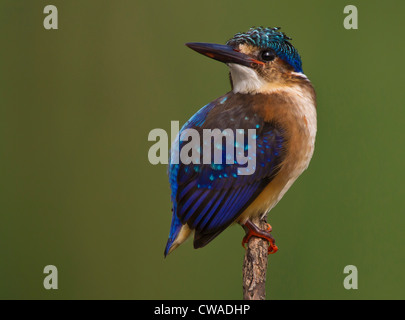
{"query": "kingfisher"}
pixel 270 94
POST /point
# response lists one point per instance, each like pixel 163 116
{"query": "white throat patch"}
pixel 245 80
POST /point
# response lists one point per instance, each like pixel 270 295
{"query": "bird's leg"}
pixel 252 230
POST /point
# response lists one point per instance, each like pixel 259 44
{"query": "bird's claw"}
pixel 253 230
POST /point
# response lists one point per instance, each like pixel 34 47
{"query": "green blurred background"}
pixel 77 190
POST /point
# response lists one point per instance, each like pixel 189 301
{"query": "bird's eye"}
pixel 267 55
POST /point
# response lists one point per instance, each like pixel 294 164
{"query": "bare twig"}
pixel 255 265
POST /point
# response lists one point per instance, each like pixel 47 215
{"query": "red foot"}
pixel 252 230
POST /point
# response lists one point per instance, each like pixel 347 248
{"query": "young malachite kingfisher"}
pixel 270 94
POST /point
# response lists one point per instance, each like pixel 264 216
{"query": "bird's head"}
pixel 260 59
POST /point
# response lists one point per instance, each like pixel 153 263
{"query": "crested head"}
pixel 280 65
pixel 269 38
pixel 261 60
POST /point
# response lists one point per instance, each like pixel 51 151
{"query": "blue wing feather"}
pixel 209 197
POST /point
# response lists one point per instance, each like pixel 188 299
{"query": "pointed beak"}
pixel 223 53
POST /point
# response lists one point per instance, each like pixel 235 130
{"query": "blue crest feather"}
pixel 273 39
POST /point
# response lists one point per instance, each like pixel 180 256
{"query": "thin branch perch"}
pixel 255 265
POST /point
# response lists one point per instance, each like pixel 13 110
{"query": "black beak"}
pixel 223 53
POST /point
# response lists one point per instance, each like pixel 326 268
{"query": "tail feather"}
pixel 201 239
pixel 174 233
